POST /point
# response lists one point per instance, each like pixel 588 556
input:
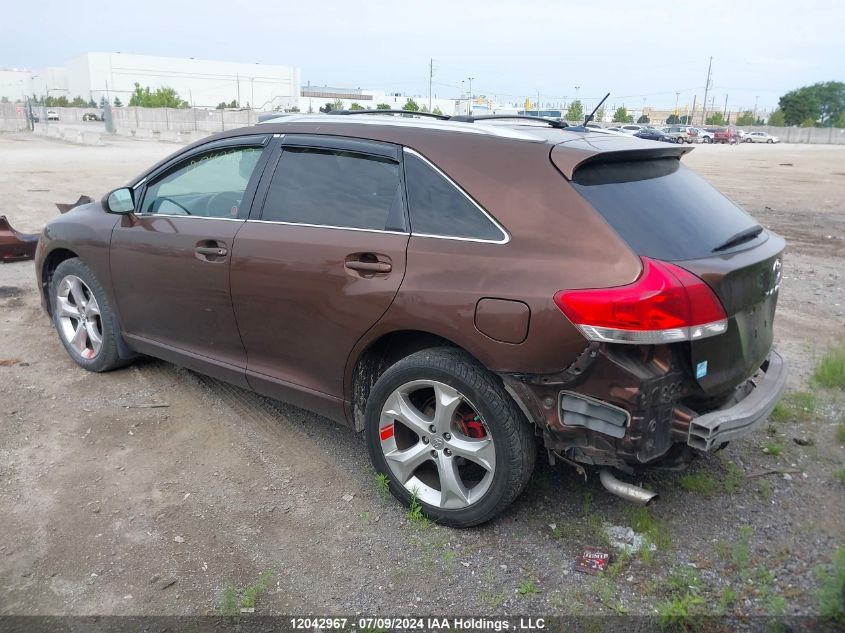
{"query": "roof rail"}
pixel 487 117
pixel 442 117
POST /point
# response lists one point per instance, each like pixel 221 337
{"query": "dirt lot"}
pixel 111 505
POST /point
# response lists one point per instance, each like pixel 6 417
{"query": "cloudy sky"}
pixel 512 49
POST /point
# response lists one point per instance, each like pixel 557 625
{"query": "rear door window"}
pixel 336 189
pixel 439 209
pixel 661 208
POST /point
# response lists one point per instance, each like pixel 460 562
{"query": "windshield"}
pixel 663 209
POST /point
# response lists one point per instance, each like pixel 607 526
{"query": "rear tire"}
pixel 679 140
pixel 444 431
pixel 770 141
pixel 83 317
pixel 749 140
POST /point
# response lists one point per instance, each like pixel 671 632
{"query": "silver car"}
pixel 760 137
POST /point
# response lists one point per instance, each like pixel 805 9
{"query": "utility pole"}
pixel 756 99
pixel 238 79
pixel 538 103
pixel 677 112
pixel 691 117
pixel 706 89
pixel 430 76
pixel 725 114
pixel 470 94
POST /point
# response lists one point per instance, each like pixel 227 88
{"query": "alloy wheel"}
pixel 79 320
pixel 436 444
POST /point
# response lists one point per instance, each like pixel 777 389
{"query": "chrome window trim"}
pixel 504 240
pixel 329 226
pixel 192 217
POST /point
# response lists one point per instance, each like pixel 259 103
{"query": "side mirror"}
pixel 120 201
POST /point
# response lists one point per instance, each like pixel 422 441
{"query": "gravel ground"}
pixel 109 505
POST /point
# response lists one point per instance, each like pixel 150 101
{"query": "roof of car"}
pixel 432 136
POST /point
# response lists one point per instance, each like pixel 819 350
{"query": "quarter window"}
pixel 335 188
pixel 438 208
pixel 210 185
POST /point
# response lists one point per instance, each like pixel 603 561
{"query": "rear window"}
pixel 660 208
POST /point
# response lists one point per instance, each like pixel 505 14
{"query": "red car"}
pixel 726 135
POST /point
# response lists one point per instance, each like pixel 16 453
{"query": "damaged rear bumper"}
pixel 762 392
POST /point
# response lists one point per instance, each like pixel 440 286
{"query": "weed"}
pixel 734 478
pixel 766 489
pixel 676 612
pixel 558 532
pixel 831 370
pixel 594 527
pixel 493 600
pixel 777 606
pixel 683 579
pixel 773 448
pixel 365 517
pixel 839 475
pixel 449 558
pixel 604 589
pixel 232 600
pixel 644 522
pixel 586 501
pixel 383 483
pixel 527 588
pixel 832 586
pixel 737 552
pixel 840 432
pixel 726 599
pixel 415 513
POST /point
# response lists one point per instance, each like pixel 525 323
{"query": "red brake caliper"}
pixel 471 426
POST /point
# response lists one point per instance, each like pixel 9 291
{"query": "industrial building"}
pixel 200 82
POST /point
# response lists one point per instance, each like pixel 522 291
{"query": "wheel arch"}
pixel 366 365
pixel 51 263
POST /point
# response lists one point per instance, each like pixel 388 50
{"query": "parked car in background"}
pixel 654 134
pixel 631 129
pixel 52 115
pixel 760 137
pixel 92 116
pixel 725 135
pixel 704 135
pixel 682 133
pixel 341 263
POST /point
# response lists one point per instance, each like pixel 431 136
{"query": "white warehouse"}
pixel 200 82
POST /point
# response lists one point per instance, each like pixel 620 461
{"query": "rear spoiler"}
pixel 595 148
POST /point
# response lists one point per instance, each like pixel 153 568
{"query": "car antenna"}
pixel 592 114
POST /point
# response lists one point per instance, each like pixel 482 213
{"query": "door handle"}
pixel 211 251
pixel 369 267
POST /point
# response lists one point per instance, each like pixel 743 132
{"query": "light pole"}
pixel 470 94
pixel 676 112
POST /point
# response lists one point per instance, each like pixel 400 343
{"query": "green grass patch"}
pixel 773 448
pixel 831 370
pixel 656 532
pixel 797 405
pixel 840 432
pixel 839 475
pixel 831 587
pixel 702 483
pixel 233 599
pixel 415 513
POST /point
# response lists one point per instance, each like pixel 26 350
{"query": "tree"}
pixel 746 118
pixel 162 98
pixel 118 103
pixel 621 115
pixel 717 118
pixel 575 111
pixel 92 103
pixel 437 110
pixel 673 119
pixel 411 105
pixel 599 114
pixel 233 104
pixel 103 102
pixel 643 119
pixel 686 120
pixel 423 108
pixel 777 119
pixel 822 103
pixel 383 106
pixel 356 106
pixel 292 109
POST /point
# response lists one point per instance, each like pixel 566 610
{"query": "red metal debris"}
pixel 64 207
pixel 15 246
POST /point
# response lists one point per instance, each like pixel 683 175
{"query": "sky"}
pixel 642 55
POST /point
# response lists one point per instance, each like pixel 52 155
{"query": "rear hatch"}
pixel 665 211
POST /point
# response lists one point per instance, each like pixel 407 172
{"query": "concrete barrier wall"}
pixel 180 121
pixel 824 135
pixel 69 134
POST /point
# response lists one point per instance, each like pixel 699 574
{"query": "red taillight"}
pixel 666 304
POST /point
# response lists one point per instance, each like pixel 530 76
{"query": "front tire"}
pixel 444 431
pixel 83 317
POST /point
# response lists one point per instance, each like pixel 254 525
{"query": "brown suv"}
pixel 452 289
